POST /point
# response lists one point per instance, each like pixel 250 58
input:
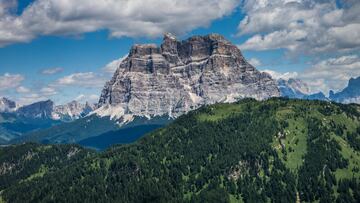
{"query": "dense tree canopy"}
pixel 277 150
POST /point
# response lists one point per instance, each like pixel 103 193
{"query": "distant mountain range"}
pixel 350 94
pixel 16 121
pixel 47 109
pixel 295 88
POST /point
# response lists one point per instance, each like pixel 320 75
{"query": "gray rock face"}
pixel 71 111
pixel 47 110
pixel 182 75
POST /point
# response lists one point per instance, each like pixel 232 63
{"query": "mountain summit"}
pixel 180 76
pixel 7 105
pixel 350 94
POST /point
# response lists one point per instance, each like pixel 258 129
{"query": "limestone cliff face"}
pixel 182 75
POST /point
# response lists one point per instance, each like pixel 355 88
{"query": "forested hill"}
pixel 250 151
pixel 25 162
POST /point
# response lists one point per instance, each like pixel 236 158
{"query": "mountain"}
pixel 6 105
pixel 94 131
pixel 276 150
pixel 13 126
pixel 180 76
pixel 71 111
pixel 162 82
pixel 30 161
pixel 41 109
pixel 350 94
pixel 293 88
pixel 316 96
pixel 18 122
pixel 47 109
pixel 297 89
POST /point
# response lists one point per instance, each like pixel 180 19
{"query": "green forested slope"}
pixel 25 162
pixel 280 150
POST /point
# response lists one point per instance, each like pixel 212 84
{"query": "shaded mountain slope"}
pixel 81 130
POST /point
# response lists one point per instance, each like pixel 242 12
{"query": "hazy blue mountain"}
pixel 13 126
pixel 7 105
pixel 316 96
pixel 292 88
pixel 16 122
pixel 298 89
pixel 350 94
pixel 121 136
pixel 41 109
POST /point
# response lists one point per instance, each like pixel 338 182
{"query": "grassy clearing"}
pixel 295 144
pixel 220 111
pixel 233 199
pixel 349 154
pixel 41 172
pixel 294 141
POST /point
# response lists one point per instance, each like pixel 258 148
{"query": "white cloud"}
pixel 92 98
pixel 332 73
pixel 290 40
pixel 301 26
pixel 6 6
pixel 328 74
pixel 8 81
pixel 113 65
pixel 278 75
pixel 255 62
pixel 48 91
pixel 31 98
pixel 121 17
pixel 51 71
pixel 86 79
pixel 22 89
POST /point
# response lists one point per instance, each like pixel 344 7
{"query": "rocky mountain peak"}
pixel 178 76
pixel 354 82
pixel 293 88
pixel 350 94
pixel 41 109
pixel 72 110
pixel 6 105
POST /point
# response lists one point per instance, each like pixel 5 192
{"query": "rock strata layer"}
pixel 179 76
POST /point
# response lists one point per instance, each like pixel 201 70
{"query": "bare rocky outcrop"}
pixel 179 76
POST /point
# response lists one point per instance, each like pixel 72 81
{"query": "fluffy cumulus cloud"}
pixel 255 62
pixel 10 81
pixel 301 26
pixel 51 71
pixel 85 79
pixel 48 91
pixel 277 75
pixel 22 89
pixel 326 75
pixel 31 98
pixel 121 17
pixel 92 98
pixel 113 65
pixel 332 73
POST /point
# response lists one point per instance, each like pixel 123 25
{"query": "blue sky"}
pixel 58 49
